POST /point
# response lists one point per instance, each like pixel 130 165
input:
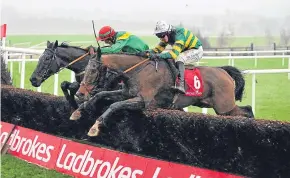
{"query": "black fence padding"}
pixel 252 148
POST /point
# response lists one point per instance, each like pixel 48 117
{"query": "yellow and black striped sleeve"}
pixel 160 47
pixel 177 48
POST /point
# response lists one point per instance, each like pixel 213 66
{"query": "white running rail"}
pixel 24 51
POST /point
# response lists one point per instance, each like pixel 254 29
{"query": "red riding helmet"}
pixel 105 33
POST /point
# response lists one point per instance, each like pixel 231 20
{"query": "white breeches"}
pixel 190 56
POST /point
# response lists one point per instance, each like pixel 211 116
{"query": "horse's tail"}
pixel 238 77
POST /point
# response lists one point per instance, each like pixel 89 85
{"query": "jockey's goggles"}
pixel 160 35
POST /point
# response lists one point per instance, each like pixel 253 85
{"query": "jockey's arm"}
pixel 159 48
pixel 177 47
pixel 115 48
pixel 174 52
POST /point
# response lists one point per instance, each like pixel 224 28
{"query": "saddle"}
pixel 171 63
pixel 174 69
pixel 192 77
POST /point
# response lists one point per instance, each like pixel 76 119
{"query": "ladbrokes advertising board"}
pixel 35 147
pixel 80 160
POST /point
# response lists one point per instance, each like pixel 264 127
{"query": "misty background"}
pixel 211 17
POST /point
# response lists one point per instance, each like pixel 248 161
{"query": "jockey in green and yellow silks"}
pixel 186 47
pixel 120 41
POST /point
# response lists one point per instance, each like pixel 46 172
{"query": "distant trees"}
pixel 203 39
pixel 222 40
pixel 227 32
pixel 196 32
pixel 269 37
pixel 285 36
pixel 226 36
pixel 285 32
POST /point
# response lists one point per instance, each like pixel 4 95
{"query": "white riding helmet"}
pixel 161 27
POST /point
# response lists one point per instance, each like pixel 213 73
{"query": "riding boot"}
pixel 181 68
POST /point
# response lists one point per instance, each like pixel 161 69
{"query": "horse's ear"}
pixel 55 44
pixel 48 43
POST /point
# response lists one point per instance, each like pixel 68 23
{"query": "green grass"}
pixel 246 41
pixel 12 167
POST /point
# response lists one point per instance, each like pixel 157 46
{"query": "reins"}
pixel 136 65
pixel 74 61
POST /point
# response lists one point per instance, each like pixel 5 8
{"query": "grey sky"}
pixel 72 8
pixel 249 17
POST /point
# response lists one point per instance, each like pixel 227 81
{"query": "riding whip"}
pixel 99 48
pixel 95 32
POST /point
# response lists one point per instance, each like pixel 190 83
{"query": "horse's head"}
pixel 52 60
pixel 47 65
pixel 96 69
pixel 92 75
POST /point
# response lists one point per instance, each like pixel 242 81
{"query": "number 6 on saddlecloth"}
pixel 196 82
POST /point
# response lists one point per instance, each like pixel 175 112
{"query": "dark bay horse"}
pixel 146 87
pixel 56 57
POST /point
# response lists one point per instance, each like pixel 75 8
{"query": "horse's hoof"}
pixel 75 115
pixel 94 130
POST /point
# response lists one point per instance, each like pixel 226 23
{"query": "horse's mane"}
pixel 126 53
pixel 66 45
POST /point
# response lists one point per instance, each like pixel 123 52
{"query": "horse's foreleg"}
pixel 132 104
pixel 72 87
pixel 116 95
pixel 64 86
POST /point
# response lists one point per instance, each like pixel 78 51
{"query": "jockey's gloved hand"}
pixel 88 48
pixel 154 57
pixel 143 53
pixel 95 49
pixel 91 49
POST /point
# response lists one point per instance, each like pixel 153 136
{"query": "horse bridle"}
pixel 58 63
pixel 50 63
pixel 83 83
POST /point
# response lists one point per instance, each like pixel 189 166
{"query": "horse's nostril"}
pixel 79 94
pixel 33 80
